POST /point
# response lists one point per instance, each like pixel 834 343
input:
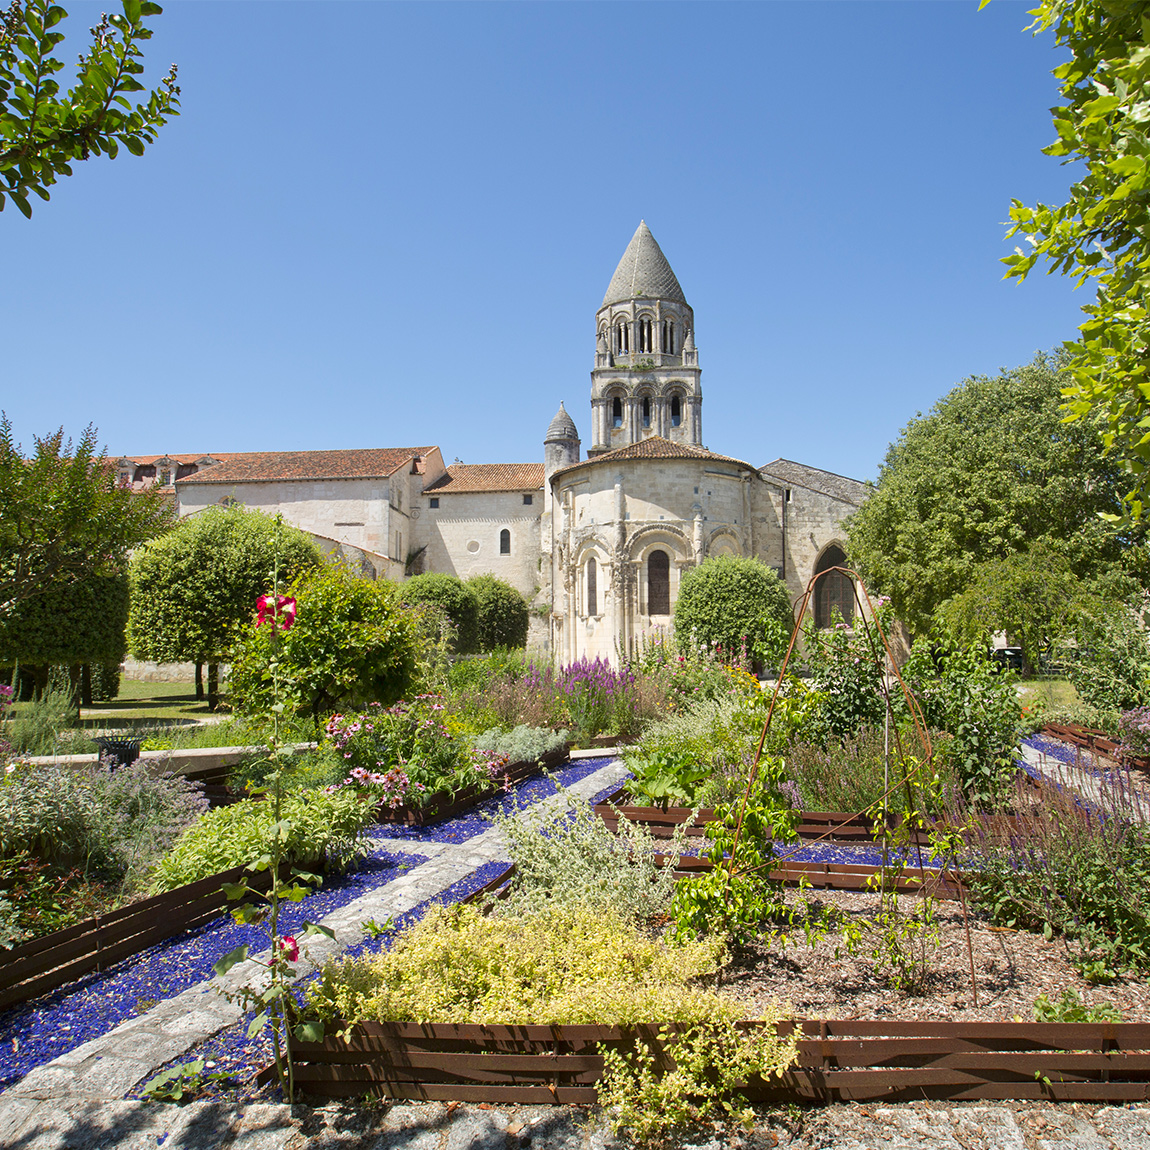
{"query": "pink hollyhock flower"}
pixel 280 609
pixel 290 948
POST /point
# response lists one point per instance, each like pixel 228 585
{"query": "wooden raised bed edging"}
pixel 860 1060
pixel 53 960
pixel 445 806
pixel 1090 739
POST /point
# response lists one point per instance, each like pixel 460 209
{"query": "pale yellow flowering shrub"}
pixel 568 964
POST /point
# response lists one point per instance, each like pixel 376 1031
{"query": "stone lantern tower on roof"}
pixel 646 379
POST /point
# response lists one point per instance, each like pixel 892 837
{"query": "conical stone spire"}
pixel 643 272
pixel 562 427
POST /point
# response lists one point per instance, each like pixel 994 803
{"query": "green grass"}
pixel 1054 694
pixel 146 702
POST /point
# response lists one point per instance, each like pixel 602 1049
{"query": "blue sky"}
pixel 380 224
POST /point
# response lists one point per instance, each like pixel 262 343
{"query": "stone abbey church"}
pixel 596 541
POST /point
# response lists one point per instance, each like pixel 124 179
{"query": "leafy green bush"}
pixel 325 831
pixel 405 755
pixel 319 767
pixel 351 644
pixel 960 693
pixel 113 823
pixel 1110 663
pixel 734 604
pixel 847 676
pixel 522 744
pixel 457 600
pixel 1071 1008
pixel 574 859
pixel 718 736
pixel 477 673
pixel 503 615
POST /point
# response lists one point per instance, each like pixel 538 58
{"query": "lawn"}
pixel 1054 694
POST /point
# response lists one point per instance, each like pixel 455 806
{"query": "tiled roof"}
pixel 471 478
pixel 787 472
pixel 268 466
pixel 643 272
pixel 656 447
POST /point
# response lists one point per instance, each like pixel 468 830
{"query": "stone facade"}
pixel 597 544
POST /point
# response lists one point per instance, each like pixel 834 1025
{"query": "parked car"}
pixel 1007 658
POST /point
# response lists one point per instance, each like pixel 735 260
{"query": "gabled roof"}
pixel 655 447
pixel 472 478
pixel 269 466
pixel 790 473
pixel 643 272
pixel 149 460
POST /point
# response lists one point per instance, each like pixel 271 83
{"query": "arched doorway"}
pixel 833 591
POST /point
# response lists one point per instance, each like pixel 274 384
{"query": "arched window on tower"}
pixel 592 588
pixel 622 337
pixel 676 411
pixel 646 411
pixel 504 542
pixel 833 591
pixel 616 412
pixel 658 583
pixel 668 337
pixel 646 343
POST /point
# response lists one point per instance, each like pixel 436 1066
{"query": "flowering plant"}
pixel 405 755
pixel 280 609
pixel 599 698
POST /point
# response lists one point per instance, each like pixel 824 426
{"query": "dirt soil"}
pixel 1012 967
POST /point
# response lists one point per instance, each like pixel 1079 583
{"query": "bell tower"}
pixel 646 379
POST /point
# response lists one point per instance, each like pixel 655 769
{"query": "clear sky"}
pixel 384 224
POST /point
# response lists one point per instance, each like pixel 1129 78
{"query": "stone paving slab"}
pixel 438 1126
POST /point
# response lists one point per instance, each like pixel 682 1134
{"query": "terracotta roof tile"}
pixel 472 478
pixel 268 466
pixel 656 447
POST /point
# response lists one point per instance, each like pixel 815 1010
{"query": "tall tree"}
pixel 42 133
pixel 1101 235
pixel 195 588
pixel 989 472
pixel 63 516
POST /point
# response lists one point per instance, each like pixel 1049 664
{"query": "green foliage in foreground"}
pixel 1099 236
pixel 733 603
pixel 503 615
pixel 43 133
pixel 325 831
pixel 455 598
pixel 351 643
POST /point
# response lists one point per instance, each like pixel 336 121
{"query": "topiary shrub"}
pixel 730 604
pixel 503 613
pixel 457 600
pixel 351 644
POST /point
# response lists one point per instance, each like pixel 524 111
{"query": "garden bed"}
pixel 838 1060
pixel 446 806
pixel 53 960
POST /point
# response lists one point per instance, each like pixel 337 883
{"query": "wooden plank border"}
pixel 838 1060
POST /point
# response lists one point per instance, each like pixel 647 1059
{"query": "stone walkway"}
pixel 77 1125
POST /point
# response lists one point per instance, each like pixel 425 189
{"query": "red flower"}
pixel 279 609
pixel 290 948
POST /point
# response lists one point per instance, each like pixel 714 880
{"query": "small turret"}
pixel 561 444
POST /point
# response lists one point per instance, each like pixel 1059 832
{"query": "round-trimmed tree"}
pixel 195 588
pixel 503 613
pixel 729 602
pixel 456 599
